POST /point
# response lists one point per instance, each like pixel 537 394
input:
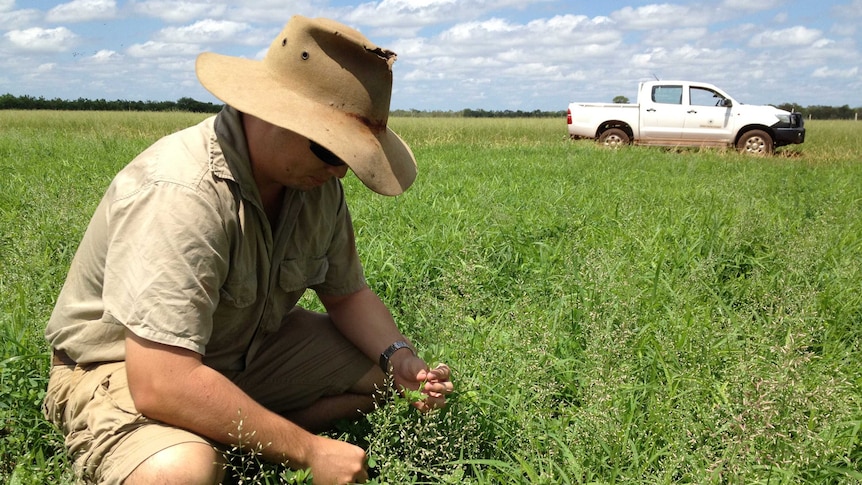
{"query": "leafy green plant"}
pixel 30 448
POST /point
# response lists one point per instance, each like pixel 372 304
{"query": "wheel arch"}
pixel 607 125
pixel 745 129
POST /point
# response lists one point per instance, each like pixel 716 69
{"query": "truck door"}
pixel 663 114
pixel 708 117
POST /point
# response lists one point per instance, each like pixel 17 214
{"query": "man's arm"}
pixel 172 385
pixel 364 319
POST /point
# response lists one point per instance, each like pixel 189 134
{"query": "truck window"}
pixel 667 94
pixel 705 97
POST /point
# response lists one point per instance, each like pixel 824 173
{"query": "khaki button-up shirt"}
pixel 180 252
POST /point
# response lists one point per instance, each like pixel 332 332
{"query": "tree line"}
pixel 25 102
pixel 817 112
pixel 8 101
pixel 477 113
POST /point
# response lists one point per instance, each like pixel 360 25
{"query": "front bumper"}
pixel 789 136
pixel 790 133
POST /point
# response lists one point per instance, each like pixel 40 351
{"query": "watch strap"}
pixel 384 357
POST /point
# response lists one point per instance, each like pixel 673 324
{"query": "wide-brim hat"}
pixel 326 82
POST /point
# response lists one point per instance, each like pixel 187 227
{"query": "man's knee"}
pixel 185 463
pixel 372 383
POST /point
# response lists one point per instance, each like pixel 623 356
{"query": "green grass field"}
pixel 643 315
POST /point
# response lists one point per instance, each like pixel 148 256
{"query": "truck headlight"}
pixel 784 119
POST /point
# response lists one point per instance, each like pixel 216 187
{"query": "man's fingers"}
pixel 430 403
pixel 441 387
pixel 439 373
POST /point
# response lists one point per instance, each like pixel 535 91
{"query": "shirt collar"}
pixel 229 152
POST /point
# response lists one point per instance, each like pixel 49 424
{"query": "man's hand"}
pixel 336 462
pixel 411 372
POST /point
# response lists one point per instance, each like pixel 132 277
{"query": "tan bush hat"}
pixel 329 83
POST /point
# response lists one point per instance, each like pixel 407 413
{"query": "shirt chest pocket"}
pixel 240 289
pixel 301 273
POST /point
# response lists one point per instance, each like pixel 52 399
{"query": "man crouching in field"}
pixel 178 317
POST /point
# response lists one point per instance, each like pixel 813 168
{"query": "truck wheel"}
pixel 755 142
pixel 614 138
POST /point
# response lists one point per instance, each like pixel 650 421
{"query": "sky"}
pixel 452 54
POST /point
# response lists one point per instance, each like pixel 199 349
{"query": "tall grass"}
pixel 634 316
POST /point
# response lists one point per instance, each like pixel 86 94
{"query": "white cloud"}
pixel 851 10
pixel 572 30
pixel 685 62
pixel 273 12
pixel 670 37
pixel 106 55
pixel 38 39
pixel 406 18
pixel 45 68
pixel 16 19
pixel 154 49
pixel 179 11
pixel 664 16
pixel 203 31
pixel 402 17
pixel 750 6
pixel 826 72
pixel 536 37
pixel 493 31
pixel 794 36
pixel 82 11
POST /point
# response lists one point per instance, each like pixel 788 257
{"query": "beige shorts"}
pixel 108 438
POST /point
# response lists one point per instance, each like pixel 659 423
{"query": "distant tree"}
pixel 195 106
pixel 790 107
pixel 621 100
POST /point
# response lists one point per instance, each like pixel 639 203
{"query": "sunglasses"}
pixel 325 155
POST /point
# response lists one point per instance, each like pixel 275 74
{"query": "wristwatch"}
pixel 384 357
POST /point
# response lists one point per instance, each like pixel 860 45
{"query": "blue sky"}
pixel 452 54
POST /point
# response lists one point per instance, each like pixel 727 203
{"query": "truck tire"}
pixel 755 142
pixel 614 138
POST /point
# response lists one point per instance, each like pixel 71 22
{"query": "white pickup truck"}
pixel 683 113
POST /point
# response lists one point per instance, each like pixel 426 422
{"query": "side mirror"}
pixel 727 103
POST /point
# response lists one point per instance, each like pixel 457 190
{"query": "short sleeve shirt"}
pixel 180 252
